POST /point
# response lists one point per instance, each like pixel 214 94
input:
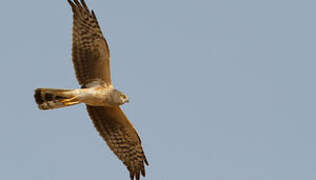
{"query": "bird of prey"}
pixel 91 59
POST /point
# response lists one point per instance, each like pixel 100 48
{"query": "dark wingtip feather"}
pixel 142 170
pixel 78 4
pixel 137 175
pixel 71 3
pixel 93 14
pixel 84 5
pixel 131 175
pixel 73 6
pixel 145 160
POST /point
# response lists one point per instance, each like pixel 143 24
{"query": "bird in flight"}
pixel 91 59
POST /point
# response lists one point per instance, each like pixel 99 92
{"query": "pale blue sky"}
pixel 221 90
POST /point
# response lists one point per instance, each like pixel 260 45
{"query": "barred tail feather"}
pixel 47 98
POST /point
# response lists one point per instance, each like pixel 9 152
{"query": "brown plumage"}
pixel 91 59
pixel 120 136
pixel 90 52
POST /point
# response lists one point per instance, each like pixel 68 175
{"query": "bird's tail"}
pixel 47 98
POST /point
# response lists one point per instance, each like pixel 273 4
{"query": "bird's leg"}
pixel 70 101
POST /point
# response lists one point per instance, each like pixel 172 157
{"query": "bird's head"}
pixel 119 97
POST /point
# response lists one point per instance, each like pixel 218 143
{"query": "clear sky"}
pixel 221 90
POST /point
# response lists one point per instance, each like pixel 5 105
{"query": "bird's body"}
pixel 99 95
pixel 91 59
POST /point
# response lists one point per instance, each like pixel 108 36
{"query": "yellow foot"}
pixel 70 101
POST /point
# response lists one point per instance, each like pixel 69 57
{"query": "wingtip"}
pixel 84 5
pixel 71 4
pixel 93 14
pixel 137 175
pixel 76 5
pixel 131 176
pixel 145 160
pixel 76 2
pixel 142 170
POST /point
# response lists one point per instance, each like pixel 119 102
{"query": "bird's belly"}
pixel 94 101
pixel 96 97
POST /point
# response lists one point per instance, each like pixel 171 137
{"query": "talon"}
pixel 70 103
pixel 68 100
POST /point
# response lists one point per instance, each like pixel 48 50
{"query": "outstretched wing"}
pixel 90 52
pixel 120 136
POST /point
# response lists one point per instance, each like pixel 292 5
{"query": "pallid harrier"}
pixel 91 59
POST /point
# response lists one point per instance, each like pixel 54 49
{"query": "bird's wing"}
pixel 121 137
pixel 90 52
